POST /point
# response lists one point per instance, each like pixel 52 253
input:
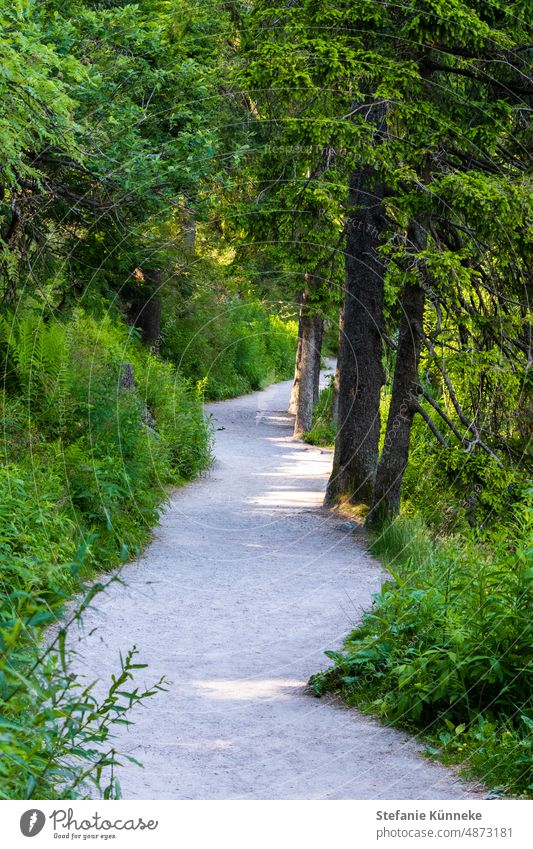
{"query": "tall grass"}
pixel 446 647
pixel 85 466
pixel 234 345
pixel 323 427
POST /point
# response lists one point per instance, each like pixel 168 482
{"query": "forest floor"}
pixel 245 585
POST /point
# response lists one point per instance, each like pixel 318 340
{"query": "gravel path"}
pixel 245 585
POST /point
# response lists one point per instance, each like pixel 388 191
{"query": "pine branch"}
pixel 431 424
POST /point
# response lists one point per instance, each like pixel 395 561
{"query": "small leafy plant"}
pixel 323 426
pixel 446 647
pixel 56 735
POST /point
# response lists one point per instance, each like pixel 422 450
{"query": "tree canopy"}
pixel 183 184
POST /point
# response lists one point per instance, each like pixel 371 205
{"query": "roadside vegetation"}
pixel 445 649
pixel 87 459
pixel 115 325
pixel 404 130
pixel 198 198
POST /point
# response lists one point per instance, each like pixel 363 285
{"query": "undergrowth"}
pixel 233 344
pixel 85 464
pixel 323 427
pixel 446 649
pixel 87 459
pixel 81 461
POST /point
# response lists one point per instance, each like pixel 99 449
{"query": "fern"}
pixel 38 355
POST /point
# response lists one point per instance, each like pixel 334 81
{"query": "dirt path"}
pixel 245 585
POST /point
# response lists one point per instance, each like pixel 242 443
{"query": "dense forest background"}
pixel 198 198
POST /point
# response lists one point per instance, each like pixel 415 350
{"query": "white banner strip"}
pixel 268 825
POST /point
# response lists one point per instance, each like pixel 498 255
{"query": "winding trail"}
pixel 245 585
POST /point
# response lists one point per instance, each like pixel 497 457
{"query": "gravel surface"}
pixel 245 585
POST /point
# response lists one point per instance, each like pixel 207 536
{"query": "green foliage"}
pixel 101 455
pixel 85 469
pixel 37 106
pixel 446 647
pixel 124 124
pixel 230 341
pixel 112 133
pixel 453 490
pixel 323 428
pixel 56 734
pixel 86 463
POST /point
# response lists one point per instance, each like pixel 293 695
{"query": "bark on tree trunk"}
pixel 360 368
pixel 336 379
pixel 308 367
pixel 189 231
pixel 145 310
pixel 127 383
pixel 293 403
pixel 404 400
pixel 319 335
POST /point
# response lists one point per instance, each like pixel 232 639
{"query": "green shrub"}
pixel 96 458
pixel 454 490
pixel 85 468
pixel 36 533
pixel 56 735
pixel 230 342
pixel 323 429
pixel 446 647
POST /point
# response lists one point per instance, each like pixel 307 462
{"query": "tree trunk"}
pixel 189 231
pixel 310 346
pixel 306 373
pixel 126 382
pixel 145 310
pixel 360 369
pixel 336 379
pixel 126 378
pixel 293 403
pixel 319 335
pixel 404 400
